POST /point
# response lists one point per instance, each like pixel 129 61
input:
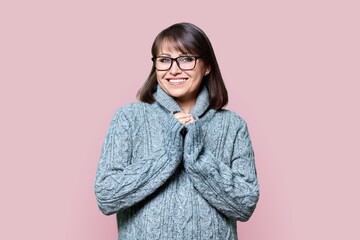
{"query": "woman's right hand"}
pixel 184 118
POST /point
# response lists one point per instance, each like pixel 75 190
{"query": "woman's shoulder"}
pixel 232 117
pixel 131 110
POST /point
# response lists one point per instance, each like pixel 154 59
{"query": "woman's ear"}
pixel 207 70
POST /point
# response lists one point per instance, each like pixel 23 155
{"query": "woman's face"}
pixel 181 85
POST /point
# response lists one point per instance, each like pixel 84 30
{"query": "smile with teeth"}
pixel 177 80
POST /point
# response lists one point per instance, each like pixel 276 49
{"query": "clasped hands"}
pixel 184 118
pixel 184 136
pixel 189 144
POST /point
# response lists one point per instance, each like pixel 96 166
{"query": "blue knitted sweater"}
pixel 165 180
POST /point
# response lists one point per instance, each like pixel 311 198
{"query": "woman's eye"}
pixel 164 60
pixel 186 59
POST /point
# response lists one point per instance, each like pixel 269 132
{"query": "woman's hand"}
pixel 184 118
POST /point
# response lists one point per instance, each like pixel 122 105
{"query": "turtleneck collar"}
pixel 169 103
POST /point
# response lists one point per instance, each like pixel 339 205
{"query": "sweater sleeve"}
pixel 119 183
pixel 232 190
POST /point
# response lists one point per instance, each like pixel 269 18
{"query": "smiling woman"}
pixel 176 165
pixel 181 80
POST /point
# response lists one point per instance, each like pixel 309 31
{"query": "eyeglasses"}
pixel 183 62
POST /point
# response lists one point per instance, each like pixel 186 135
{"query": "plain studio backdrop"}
pixel 291 69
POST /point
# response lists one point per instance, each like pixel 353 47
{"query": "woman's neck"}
pixel 187 105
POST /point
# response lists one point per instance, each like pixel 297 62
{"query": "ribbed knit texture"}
pixel 165 180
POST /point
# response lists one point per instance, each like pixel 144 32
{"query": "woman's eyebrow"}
pixel 167 54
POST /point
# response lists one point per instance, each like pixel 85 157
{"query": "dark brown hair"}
pixel 186 37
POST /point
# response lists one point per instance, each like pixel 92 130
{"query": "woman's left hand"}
pixel 184 118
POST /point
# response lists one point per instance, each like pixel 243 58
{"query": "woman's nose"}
pixel 175 68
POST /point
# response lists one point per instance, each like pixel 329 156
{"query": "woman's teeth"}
pixel 177 80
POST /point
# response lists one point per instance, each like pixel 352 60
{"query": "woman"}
pixel 176 165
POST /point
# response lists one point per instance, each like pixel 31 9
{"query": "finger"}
pixel 192 118
pixel 185 120
pixel 181 114
pixel 183 117
pixel 188 119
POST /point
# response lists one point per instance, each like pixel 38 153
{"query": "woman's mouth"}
pixel 176 81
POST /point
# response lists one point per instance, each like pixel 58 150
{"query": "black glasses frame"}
pixel 176 60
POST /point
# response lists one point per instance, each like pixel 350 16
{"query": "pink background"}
pixel 292 71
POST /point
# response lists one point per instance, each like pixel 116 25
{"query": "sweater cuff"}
pixel 173 137
pixel 193 141
pixel 173 125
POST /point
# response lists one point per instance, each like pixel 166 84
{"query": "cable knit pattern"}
pixel 165 180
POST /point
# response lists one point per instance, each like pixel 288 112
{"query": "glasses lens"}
pixel 162 63
pixel 186 62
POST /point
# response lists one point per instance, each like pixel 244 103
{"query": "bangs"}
pixel 175 41
pixel 175 45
